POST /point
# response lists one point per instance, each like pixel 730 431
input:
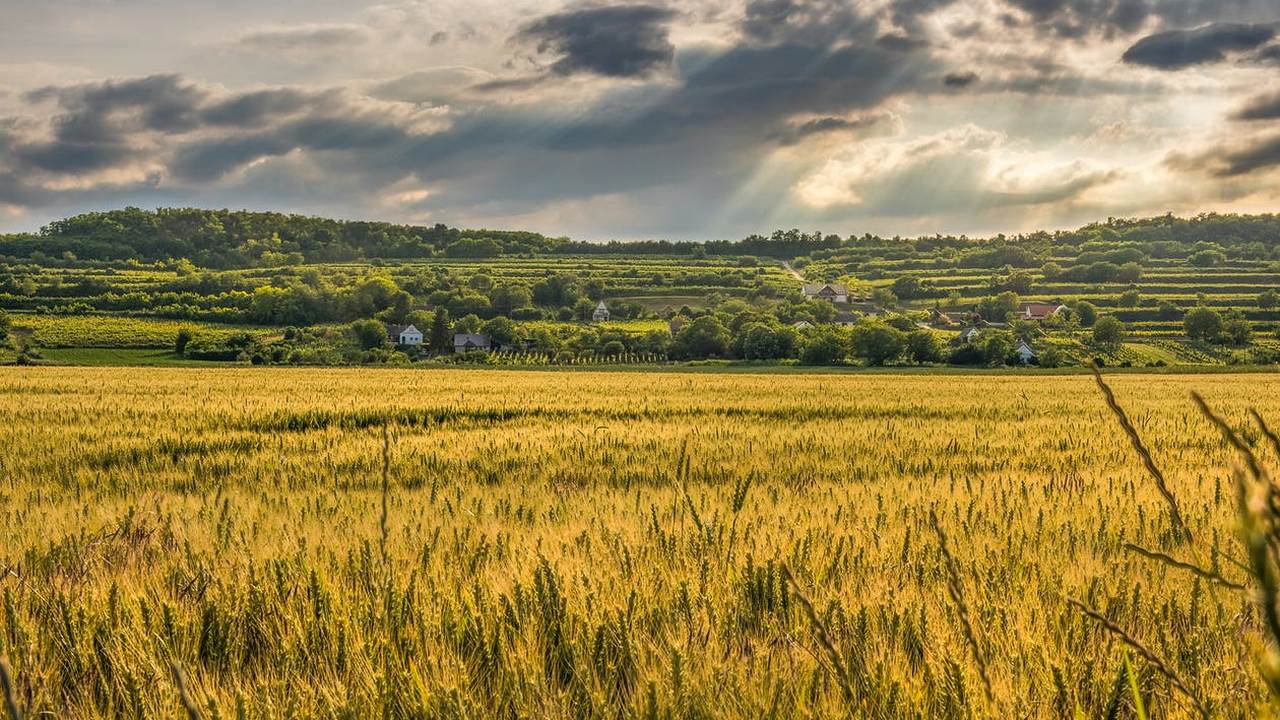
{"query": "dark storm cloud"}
pixel 72 157
pixel 613 41
pixel 207 160
pixel 1269 54
pixel 1177 49
pixel 100 126
pixel 256 108
pixel 1263 107
pixel 1260 155
pixel 960 80
pixel 1080 19
pixel 826 125
pixel 92 129
pixel 166 103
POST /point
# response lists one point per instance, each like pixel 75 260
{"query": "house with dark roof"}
pixel 831 292
pixel 469 342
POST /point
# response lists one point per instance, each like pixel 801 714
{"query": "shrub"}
pixel 878 343
pixel 823 346
pixel 1202 324
pixel 1108 332
pixel 923 347
pixel 181 340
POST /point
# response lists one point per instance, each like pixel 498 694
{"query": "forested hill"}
pixel 234 239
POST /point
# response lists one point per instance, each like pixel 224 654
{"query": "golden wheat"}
pixel 224 543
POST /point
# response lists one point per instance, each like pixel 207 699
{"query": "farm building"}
pixel 940 319
pixel 1025 353
pixel 831 292
pixel 801 325
pixel 404 335
pixel 1038 311
pixel 468 342
pixel 846 319
pixel 601 314
pixel 967 335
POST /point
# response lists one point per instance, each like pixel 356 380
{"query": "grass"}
pixel 343 543
pixel 119 356
pixel 111 331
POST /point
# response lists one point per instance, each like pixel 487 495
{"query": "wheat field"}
pixel 275 543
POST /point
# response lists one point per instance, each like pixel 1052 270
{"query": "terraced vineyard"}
pixel 225 295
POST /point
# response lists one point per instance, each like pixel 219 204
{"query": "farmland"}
pixel 494 543
pixel 289 290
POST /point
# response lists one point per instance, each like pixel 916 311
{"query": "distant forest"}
pixel 241 239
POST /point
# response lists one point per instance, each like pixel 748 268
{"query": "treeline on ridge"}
pixel 242 239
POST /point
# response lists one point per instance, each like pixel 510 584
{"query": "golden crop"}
pixel 613 544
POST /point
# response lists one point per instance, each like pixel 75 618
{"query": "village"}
pixel 961 326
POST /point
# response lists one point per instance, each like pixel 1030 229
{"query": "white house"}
pixel 802 325
pixel 831 292
pixel 468 342
pixel 404 335
pixel 1025 353
pixel 601 314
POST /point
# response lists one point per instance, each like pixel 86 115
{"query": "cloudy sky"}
pixel 692 119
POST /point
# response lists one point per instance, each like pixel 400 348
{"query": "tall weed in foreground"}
pixel 1257 499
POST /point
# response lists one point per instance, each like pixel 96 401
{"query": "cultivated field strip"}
pixel 609 544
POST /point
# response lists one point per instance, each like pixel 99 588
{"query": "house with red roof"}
pixel 1038 311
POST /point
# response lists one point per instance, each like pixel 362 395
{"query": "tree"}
pixel 908 287
pixel 6 324
pixel 996 346
pixel 440 339
pixel 1268 299
pixel 923 346
pixel 467 324
pixel 1052 358
pixel 583 309
pixel 1108 332
pixel 506 299
pixel 1207 258
pixel 1202 324
pixel 469 303
pixel 998 308
pixel 501 331
pixel 421 319
pixel 1129 272
pixel 877 342
pixel 763 341
pixel 1086 313
pixel 1167 310
pixel 702 338
pixel 377 295
pixel 179 343
pixel 884 297
pixel 1129 298
pixel 823 346
pixel 1236 329
pixel 559 289
pixel 369 334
